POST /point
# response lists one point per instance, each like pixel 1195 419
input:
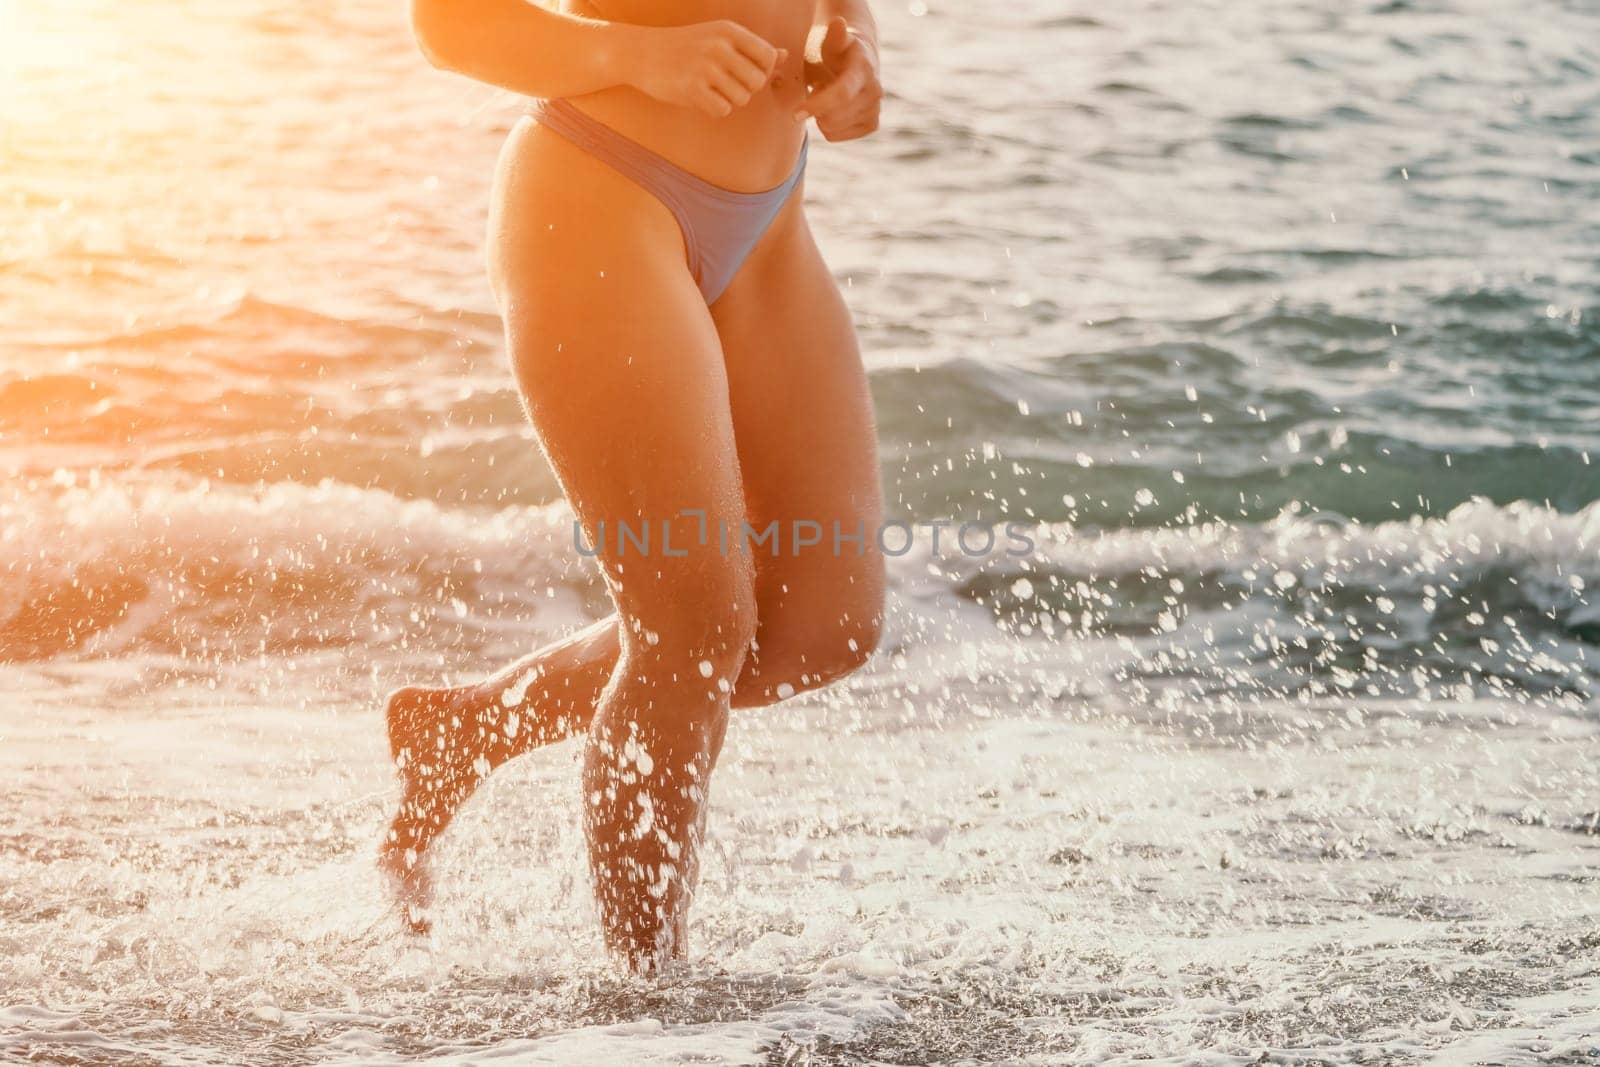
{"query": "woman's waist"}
pixel 752 149
pixel 745 153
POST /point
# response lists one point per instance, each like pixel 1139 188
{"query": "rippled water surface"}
pixel 1281 320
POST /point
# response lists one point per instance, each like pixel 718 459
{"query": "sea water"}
pixel 1278 323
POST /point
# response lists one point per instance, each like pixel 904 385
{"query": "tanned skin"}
pixel 648 404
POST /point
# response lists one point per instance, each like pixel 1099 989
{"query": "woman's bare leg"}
pixel 788 342
pixel 445 741
pixel 624 382
pixel 623 378
pixel 802 419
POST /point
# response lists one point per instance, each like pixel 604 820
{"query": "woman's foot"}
pixel 437 774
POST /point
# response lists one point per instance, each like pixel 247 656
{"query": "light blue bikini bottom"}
pixel 720 226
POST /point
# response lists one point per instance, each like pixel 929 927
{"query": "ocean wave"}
pixel 201 570
pixel 1486 596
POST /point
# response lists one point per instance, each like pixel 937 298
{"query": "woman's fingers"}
pixel 851 117
pixel 742 65
pixel 836 39
pixel 850 131
pixel 848 91
pixel 845 94
pixel 735 85
pixel 747 75
pixel 753 47
pixel 712 67
pixel 835 125
pixel 713 103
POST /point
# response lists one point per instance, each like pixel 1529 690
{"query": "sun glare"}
pixel 47 46
pixel 23 38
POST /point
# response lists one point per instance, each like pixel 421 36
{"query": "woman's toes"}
pixel 409 883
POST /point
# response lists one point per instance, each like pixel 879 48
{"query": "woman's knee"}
pixel 700 635
pixel 814 634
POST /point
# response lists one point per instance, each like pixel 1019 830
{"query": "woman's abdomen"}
pixel 750 150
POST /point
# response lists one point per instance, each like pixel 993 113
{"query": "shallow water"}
pixel 1282 320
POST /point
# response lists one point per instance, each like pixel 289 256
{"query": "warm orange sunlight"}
pixel 46 46
pixel 807 532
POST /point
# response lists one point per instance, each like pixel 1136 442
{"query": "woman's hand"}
pixel 843 91
pixel 712 66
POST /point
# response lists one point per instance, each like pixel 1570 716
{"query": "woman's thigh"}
pixel 623 377
pixel 807 443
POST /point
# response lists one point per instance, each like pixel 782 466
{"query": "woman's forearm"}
pixel 516 45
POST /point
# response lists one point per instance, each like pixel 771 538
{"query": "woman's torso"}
pixel 752 149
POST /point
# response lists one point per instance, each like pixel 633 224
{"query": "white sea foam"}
pixel 1016 889
pixel 1503 593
